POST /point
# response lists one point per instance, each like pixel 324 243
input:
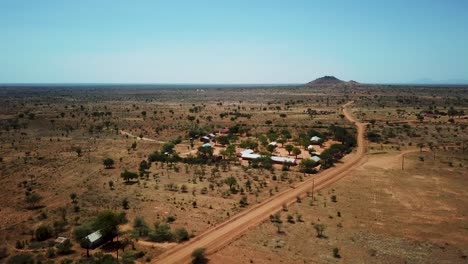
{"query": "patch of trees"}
pixel 248 144
pixel 373 136
pixel 308 166
pixel 235 115
pixel 343 135
pixel 106 223
pixel 162 233
pixel 127 176
pixel 332 154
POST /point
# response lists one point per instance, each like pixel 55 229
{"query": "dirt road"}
pixel 221 235
pixel 139 138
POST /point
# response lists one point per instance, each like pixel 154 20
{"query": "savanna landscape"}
pixel 323 172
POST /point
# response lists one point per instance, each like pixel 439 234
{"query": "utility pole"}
pixel 403 162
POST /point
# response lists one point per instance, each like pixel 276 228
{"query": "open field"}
pixel 53 141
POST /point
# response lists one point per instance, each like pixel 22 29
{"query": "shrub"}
pixel 23 258
pixel 161 233
pixel 198 256
pixel 42 233
pixel 181 234
pixel 336 253
pixel 65 248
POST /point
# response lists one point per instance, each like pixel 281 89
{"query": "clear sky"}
pixel 112 41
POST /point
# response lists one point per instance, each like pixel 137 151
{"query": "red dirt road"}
pixel 221 235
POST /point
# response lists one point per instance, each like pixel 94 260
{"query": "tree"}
pixel 162 233
pixel 33 200
pixel 107 222
pixel 108 163
pixel 281 141
pixel 231 181
pixel 320 228
pixel 167 147
pixel 42 233
pixel 223 140
pixel 78 151
pixel 125 204
pixel 23 258
pixel 73 197
pixel 271 148
pixel 128 175
pixel 243 201
pixel 181 234
pixel 205 151
pixel 296 151
pixel 289 148
pixel 336 253
pixel 198 256
pixel 307 166
pixel 140 227
pixel 65 247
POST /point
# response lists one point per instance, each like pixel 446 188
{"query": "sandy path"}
pixel 221 235
pixel 139 138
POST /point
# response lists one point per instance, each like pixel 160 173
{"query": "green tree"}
pixel 162 233
pixel 296 151
pixel 125 204
pixel 107 222
pixel 23 258
pixel 198 256
pixel 128 175
pixel 307 166
pixel 223 140
pixel 140 227
pixel 320 228
pixel 289 148
pixel 281 141
pixel 43 232
pixel 231 181
pixel 181 234
pixel 65 247
pixel 33 200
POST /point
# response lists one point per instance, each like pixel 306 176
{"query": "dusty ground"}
pixel 418 215
pixel 41 129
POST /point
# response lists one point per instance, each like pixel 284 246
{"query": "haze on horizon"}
pixel 237 42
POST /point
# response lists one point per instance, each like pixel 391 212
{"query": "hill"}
pixel 329 81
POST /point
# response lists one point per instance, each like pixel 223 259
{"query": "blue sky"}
pixel 112 41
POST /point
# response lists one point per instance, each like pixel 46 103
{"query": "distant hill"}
pixel 329 81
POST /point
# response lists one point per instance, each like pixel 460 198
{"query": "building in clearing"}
pixel 283 160
pixel 205 139
pixel 250 156
pixel 247 151
pixel 206 145
pixel 315 158
pixel 96 239
pixel 315 140
pixel 61 240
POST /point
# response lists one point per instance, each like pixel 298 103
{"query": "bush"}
pixel 181 234
pixel 65 248
pixel 170 218
pixel 21 259
pixel 336 253
pixel 161 233
pixel 42 233
pixel 198 256
pixel 51 252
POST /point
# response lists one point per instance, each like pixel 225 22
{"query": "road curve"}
pixel 221 235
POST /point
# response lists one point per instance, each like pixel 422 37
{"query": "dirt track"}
pixel 221 235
